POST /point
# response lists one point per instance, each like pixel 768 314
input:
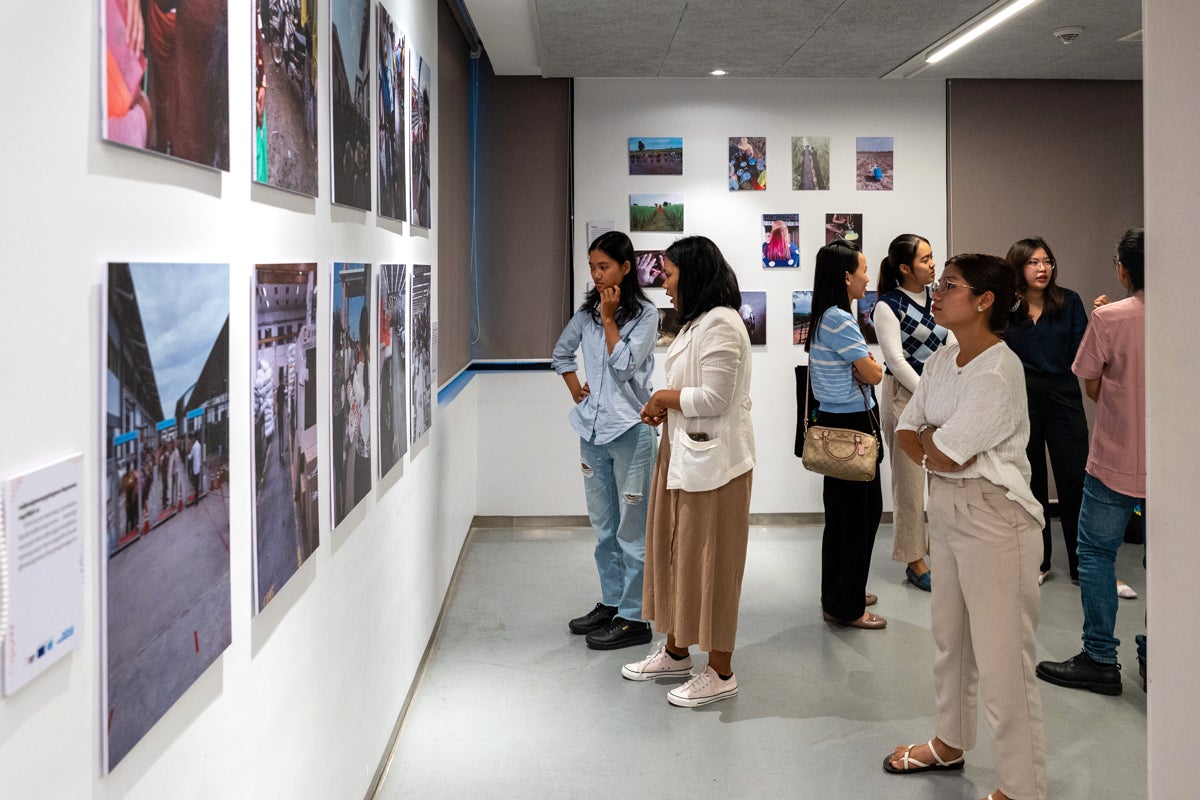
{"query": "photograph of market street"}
pixel 285 95
pixel 166 578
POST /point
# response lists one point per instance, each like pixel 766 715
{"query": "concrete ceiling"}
pixel 801 38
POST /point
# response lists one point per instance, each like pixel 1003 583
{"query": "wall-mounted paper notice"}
pixel 594 229
pixel 41 570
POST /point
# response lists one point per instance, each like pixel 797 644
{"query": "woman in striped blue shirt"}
pixel 839 366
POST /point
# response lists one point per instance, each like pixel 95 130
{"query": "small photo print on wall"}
pixel 844 226
pixel 166 491
pixel 167 84
pixel 350 386
pixel 780 240
pixel 661 213
pixel 668 326
pixel 422 165
pixel 873 171
pixel 866 322
pixel 810 162
pixel 350 143
pixel 392 360
pixel 649 265
pixel 393 89
pixel 801 314
pixel 747 163
pixel 422 351
pixel 753 311
pixel 285 97
pixel 655 155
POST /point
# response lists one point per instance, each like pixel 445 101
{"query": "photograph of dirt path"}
pixel 873 163
pixel 656 212
pixel 810 163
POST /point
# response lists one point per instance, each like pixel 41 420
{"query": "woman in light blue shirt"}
pixel 839 363
pixel 616 327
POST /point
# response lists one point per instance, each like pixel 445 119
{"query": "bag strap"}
pixel 861 388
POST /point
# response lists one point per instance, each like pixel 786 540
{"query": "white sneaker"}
pixel 702 689
pixel 658 664
pixel 1042 576
pixel 1125 591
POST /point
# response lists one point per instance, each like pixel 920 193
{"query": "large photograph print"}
pixel 285 95
pixel 422 364
pixel 393 375
pixel 284 396
pixel 393 82
pixel 351 387
pixel 351 80
pixel 421 164
pixel 166 84
pixel 165 574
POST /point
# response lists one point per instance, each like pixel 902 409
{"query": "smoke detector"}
pixel 1068 34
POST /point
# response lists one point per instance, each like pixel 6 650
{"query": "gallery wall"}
pixel 705 113
pixel 304 700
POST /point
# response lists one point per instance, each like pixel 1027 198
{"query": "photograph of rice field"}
pixel 656 212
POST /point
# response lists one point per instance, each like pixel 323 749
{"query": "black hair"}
pixel 902 250
pixel 705 279
pixel 1053 299
pixel 835 261
pixel 1131 252
pixel 988 273
pixel 616 245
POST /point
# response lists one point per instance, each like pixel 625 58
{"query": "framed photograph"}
pixel 165 608
pixel 873 170
pixel 350 86
pixel 656 213
pixel 649 266
pixel 780 241
pixel 421 355
pixel 844 226
pixel 392 361
pixel 753 311
pixel 350 387
pixel 285 96
pixel 655 155
pixel 865 321
pixel 391 135
pixel 422 165
pixel 166 79
pixel 283 384
pixel 810 163
pixel 747 163
pixel 801 315
pixel 668 326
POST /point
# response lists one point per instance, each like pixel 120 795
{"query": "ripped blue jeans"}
pixel 616 483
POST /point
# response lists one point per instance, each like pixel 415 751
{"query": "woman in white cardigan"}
pixel 699 514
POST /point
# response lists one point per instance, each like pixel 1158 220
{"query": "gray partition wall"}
pixel 1056 159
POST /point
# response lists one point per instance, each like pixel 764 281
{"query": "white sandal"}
pixel 910 766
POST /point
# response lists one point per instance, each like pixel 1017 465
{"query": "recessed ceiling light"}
pixel 718 72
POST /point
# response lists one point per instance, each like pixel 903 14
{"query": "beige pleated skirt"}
pixel 695 557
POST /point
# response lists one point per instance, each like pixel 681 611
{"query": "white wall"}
pixel 1172 117
pixel 303 701
pixel 706 113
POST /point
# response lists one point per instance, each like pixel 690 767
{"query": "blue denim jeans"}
pixel 616 483
pixel 1102 520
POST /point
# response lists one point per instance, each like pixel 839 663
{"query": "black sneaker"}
pixel 1081 672
pixel 620 633
pixel 594 620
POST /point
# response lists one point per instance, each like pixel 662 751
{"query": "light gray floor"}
pixel 514 706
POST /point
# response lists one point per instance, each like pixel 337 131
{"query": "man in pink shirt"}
pixel 1111 362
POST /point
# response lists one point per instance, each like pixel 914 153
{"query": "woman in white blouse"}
pixel 699 514
pixel 967 424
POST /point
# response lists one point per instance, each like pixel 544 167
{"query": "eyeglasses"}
pixel 1116 261
pixel 1038 263
pixel 942 286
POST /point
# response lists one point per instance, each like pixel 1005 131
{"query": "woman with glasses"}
pixel 839 364
pixel 967 425
pixel 1045 332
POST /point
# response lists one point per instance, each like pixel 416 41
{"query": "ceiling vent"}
pixel 1068 34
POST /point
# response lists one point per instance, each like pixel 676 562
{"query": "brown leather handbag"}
pixel 842 453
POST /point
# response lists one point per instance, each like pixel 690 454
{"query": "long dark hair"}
pixel 1131 254
pixel 705 278
pixel 902 250
pixel 835 261
pixel 1053 299
pixel 987 273
pixel 616 245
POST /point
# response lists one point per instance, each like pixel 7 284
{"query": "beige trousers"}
pixel 984 611
pixel 908 479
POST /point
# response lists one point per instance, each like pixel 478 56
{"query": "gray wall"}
pixel 1056 159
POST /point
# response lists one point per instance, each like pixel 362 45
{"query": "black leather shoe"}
pixel 594 620
pixel 620 633
pixel 1081 672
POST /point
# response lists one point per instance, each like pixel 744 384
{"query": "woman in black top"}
pixel 1047 327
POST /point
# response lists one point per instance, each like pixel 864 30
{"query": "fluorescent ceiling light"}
pixel 979 29
pixel 718 72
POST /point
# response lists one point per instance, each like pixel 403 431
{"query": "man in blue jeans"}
pixel 1111 362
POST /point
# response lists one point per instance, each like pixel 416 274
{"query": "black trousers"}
pixel 1057 423
pixel 852 513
